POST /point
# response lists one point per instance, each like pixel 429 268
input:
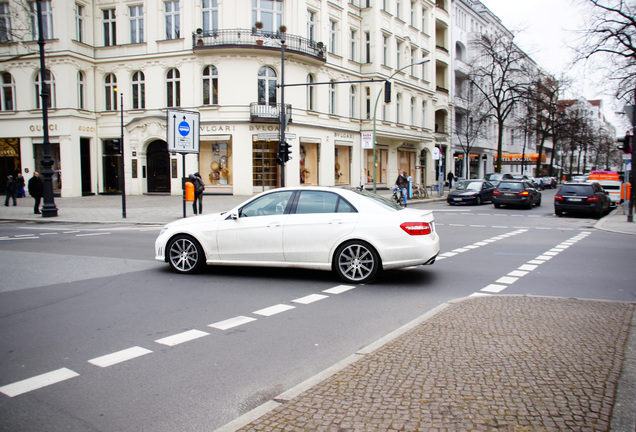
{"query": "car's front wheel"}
pixel 356 262
pixel 185 254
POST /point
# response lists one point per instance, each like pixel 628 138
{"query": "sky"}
pixel 546 30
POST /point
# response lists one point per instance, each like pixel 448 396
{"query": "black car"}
pixel 575 197
pixel 471 192
pixel 495 178
pixel 516 193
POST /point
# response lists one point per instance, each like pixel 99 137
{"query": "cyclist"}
pixel 402 182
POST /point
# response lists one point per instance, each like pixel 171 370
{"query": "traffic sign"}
pixel 183 131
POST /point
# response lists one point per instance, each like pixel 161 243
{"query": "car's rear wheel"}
pixel 478 200
pixel 185 254
pixel 356 262
pixel 497 205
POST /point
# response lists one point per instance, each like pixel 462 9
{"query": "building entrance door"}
pixel 265 168
pixel 158 160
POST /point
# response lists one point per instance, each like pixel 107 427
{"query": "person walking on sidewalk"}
pixel 19 190
pixel 403 183
pixel 450 179
pixel 199 187
pixel 36 190
pixel 11 188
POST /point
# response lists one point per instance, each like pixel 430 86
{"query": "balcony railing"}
pixel 251 38
pixel 268 113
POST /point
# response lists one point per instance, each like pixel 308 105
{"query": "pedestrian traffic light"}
pixel 626 143
pixel 387 91
pixel 284 151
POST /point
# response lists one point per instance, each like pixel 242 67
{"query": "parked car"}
pixel 516 193
pixel 471 192
pixel 353 232
pixel 495 178
pixel 549 182
pixel 578 197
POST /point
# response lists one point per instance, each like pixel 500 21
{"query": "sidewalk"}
pixel 504 363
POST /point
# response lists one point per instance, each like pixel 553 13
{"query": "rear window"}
pixel 514 186
pixel 576 190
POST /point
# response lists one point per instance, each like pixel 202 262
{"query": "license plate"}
pixel 575 199
pixel 457 199
pixel 510 194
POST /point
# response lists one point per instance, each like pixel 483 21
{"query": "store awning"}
pixel 519 157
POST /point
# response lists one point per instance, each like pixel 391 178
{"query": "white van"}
pixel 613 188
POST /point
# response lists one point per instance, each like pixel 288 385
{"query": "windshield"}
pixel 469 186
pixel 494 176
pixel 516 186
pixel 377 198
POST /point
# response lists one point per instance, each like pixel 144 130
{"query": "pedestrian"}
pixel 450 179
pixel 199 187
pixel 402 182
pixel 11 189
pixel 19 180
pixel 36 190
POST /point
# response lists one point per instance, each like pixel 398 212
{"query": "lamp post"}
pixel 121 148
pixel 375 111
pixel 283 120
pixel 48 208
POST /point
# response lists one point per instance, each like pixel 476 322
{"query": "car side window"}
pixel 267 205
pixel 321 202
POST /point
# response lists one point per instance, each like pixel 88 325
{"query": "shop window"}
pixel 216 163
pixel 308 164
pixel 264 166
pixel 342 168
pixel 383 155
pixel 406 162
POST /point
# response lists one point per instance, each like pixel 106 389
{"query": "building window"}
pixel 138 90
pixel 332 97
pixel 367 37
pixel 210 86
pixel 311 93
pixel 333 31
pixel 172 20
pixel 7 96
pixel 423 114
pixel 49 87
pixel 311 25
pixel 384 5
pixel 266 86
pixel 398 108
pixel 173 88
pixel 412 111
pixel 398 55
pixel 352 45
pixel 424 27
pixel 5 22
pixel 424 66
pixel 81 90
pixel 136 24
pixel 79 23
pixel 413 13
pixel 398 9
pixel 110 85
pixel 368 103
pixel 385 50
pixel 352 102
pixel 268 12
pixel 110 27
pixel 47 20
pixel 210 15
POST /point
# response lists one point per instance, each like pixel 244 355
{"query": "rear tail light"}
pixel 524 193
pixel 416 228
pixel 496 192
pixel 558 198
pixel 592 199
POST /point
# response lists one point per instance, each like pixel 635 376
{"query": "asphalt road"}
pixel 136 347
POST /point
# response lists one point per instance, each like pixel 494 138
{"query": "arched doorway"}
pixel 158 162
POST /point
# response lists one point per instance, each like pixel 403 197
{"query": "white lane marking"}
pixel 310 298
pixel 119 356
pixel 232 322
pixel 273 310
pixel 180 338
pixel 23 235
pixel 37 382
pixel 20 238
pixel 339 289
pixel 48 233
pixel 518 273
pixel 544 257
pixel 478 226
pixel 507 280
pixel 448 254
pixel 93 234
pixel 527 267
pixel 494 288
pixel 535 262
pixel 71 232
pixel 459 250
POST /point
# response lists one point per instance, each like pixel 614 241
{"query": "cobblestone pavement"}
pixel 497 363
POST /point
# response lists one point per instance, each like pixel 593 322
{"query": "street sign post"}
pixel 183 137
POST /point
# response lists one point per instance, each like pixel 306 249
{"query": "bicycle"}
pixel 419 192
pixel 397 196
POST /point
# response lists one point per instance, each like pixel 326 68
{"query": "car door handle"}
pixel 335 221
pixel 273 225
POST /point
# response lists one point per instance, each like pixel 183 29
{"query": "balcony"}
pixel 268 113
pixel 254 38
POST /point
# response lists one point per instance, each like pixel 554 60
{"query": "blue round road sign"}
pixel 184 128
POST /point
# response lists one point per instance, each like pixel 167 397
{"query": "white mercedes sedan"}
pixel 354 233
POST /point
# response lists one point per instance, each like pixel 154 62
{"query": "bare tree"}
pixel 500 75
pixel 16 22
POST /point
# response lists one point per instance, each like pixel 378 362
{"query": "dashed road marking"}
pixel 180 338
pixel 119 356
pixel 232 322
pixel 38 382
pixel 310 299
pixel 339 289
pixel 273 310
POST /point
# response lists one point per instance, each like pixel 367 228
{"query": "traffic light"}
pixel 284 151
pixel 626 140
pixel 387 91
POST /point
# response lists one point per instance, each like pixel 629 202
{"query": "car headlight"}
pixel 163 230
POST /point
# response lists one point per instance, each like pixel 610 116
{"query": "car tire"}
pixel 356 262
pixel 497 205
pixel 185 254
pixel 559 213
pixel 539 202
pixel 478 200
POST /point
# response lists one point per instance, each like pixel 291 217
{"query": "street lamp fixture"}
pixel 375 111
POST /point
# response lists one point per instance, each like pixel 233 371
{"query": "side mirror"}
pixel 234 215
